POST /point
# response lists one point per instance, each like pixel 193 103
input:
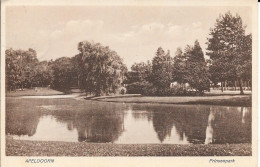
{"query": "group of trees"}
pixel 23 70
pixel 230 51
pixel 99 70
pixel 96 69
pixel 230 63
pixel 155 78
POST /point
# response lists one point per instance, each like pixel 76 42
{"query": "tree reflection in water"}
pixel 188 121
pixel 104 122
pixel 21 122
pixel 98 122
pixel 201 124
pixel 228 127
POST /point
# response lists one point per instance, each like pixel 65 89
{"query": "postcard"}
pixel 129 83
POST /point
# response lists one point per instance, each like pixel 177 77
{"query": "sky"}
pixel 134 32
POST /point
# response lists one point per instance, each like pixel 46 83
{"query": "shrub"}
pixel 134 88
pixel 149 90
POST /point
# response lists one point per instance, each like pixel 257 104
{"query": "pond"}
pixel 103 122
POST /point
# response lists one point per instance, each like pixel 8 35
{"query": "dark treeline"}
pixel 99 70
pixel 159 77
pixel 96 69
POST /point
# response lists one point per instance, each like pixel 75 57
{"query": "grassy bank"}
pixel 224 100
pixel 33 92
pixel 42 148
pixel 209 99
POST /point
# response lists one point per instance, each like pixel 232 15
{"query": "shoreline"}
pixel 59 148
pixel 208 99
pixel 221 100
pixel 217 100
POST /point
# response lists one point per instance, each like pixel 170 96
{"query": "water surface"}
pixel 103 122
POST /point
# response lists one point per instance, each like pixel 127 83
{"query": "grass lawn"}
pixel 225 100
pixel 209 99
pixel 44 148
pixel 33 92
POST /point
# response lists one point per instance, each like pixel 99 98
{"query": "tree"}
pixel 180 71
pixel 12 73
pixel 198 76
pixel 20 67
pixel 244 61
pixel 43 74
pixel 104 68
pixel 62 73
pixel 226 49
pixel 27 63
pixel 79 71
pixel 143 70
pixel 138 77
pixel 162 68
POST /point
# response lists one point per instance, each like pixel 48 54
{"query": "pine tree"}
pixel 198 76
pixel 162 67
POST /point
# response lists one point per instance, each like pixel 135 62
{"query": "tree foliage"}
pixel 228 50
pixel 139 77
pixel 20 68
pixel 104 68
pixel 162 69
pixel 44 74
pixel 62 73
pixel 197 76
pixel 99 70
pixel 180 72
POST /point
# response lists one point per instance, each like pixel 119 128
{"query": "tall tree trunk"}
pixel 235 85
pixel 222 86
pixel 241 88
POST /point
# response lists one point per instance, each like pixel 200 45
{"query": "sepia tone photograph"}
pixel 127 81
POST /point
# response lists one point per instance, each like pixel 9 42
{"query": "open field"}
pixel 42 148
